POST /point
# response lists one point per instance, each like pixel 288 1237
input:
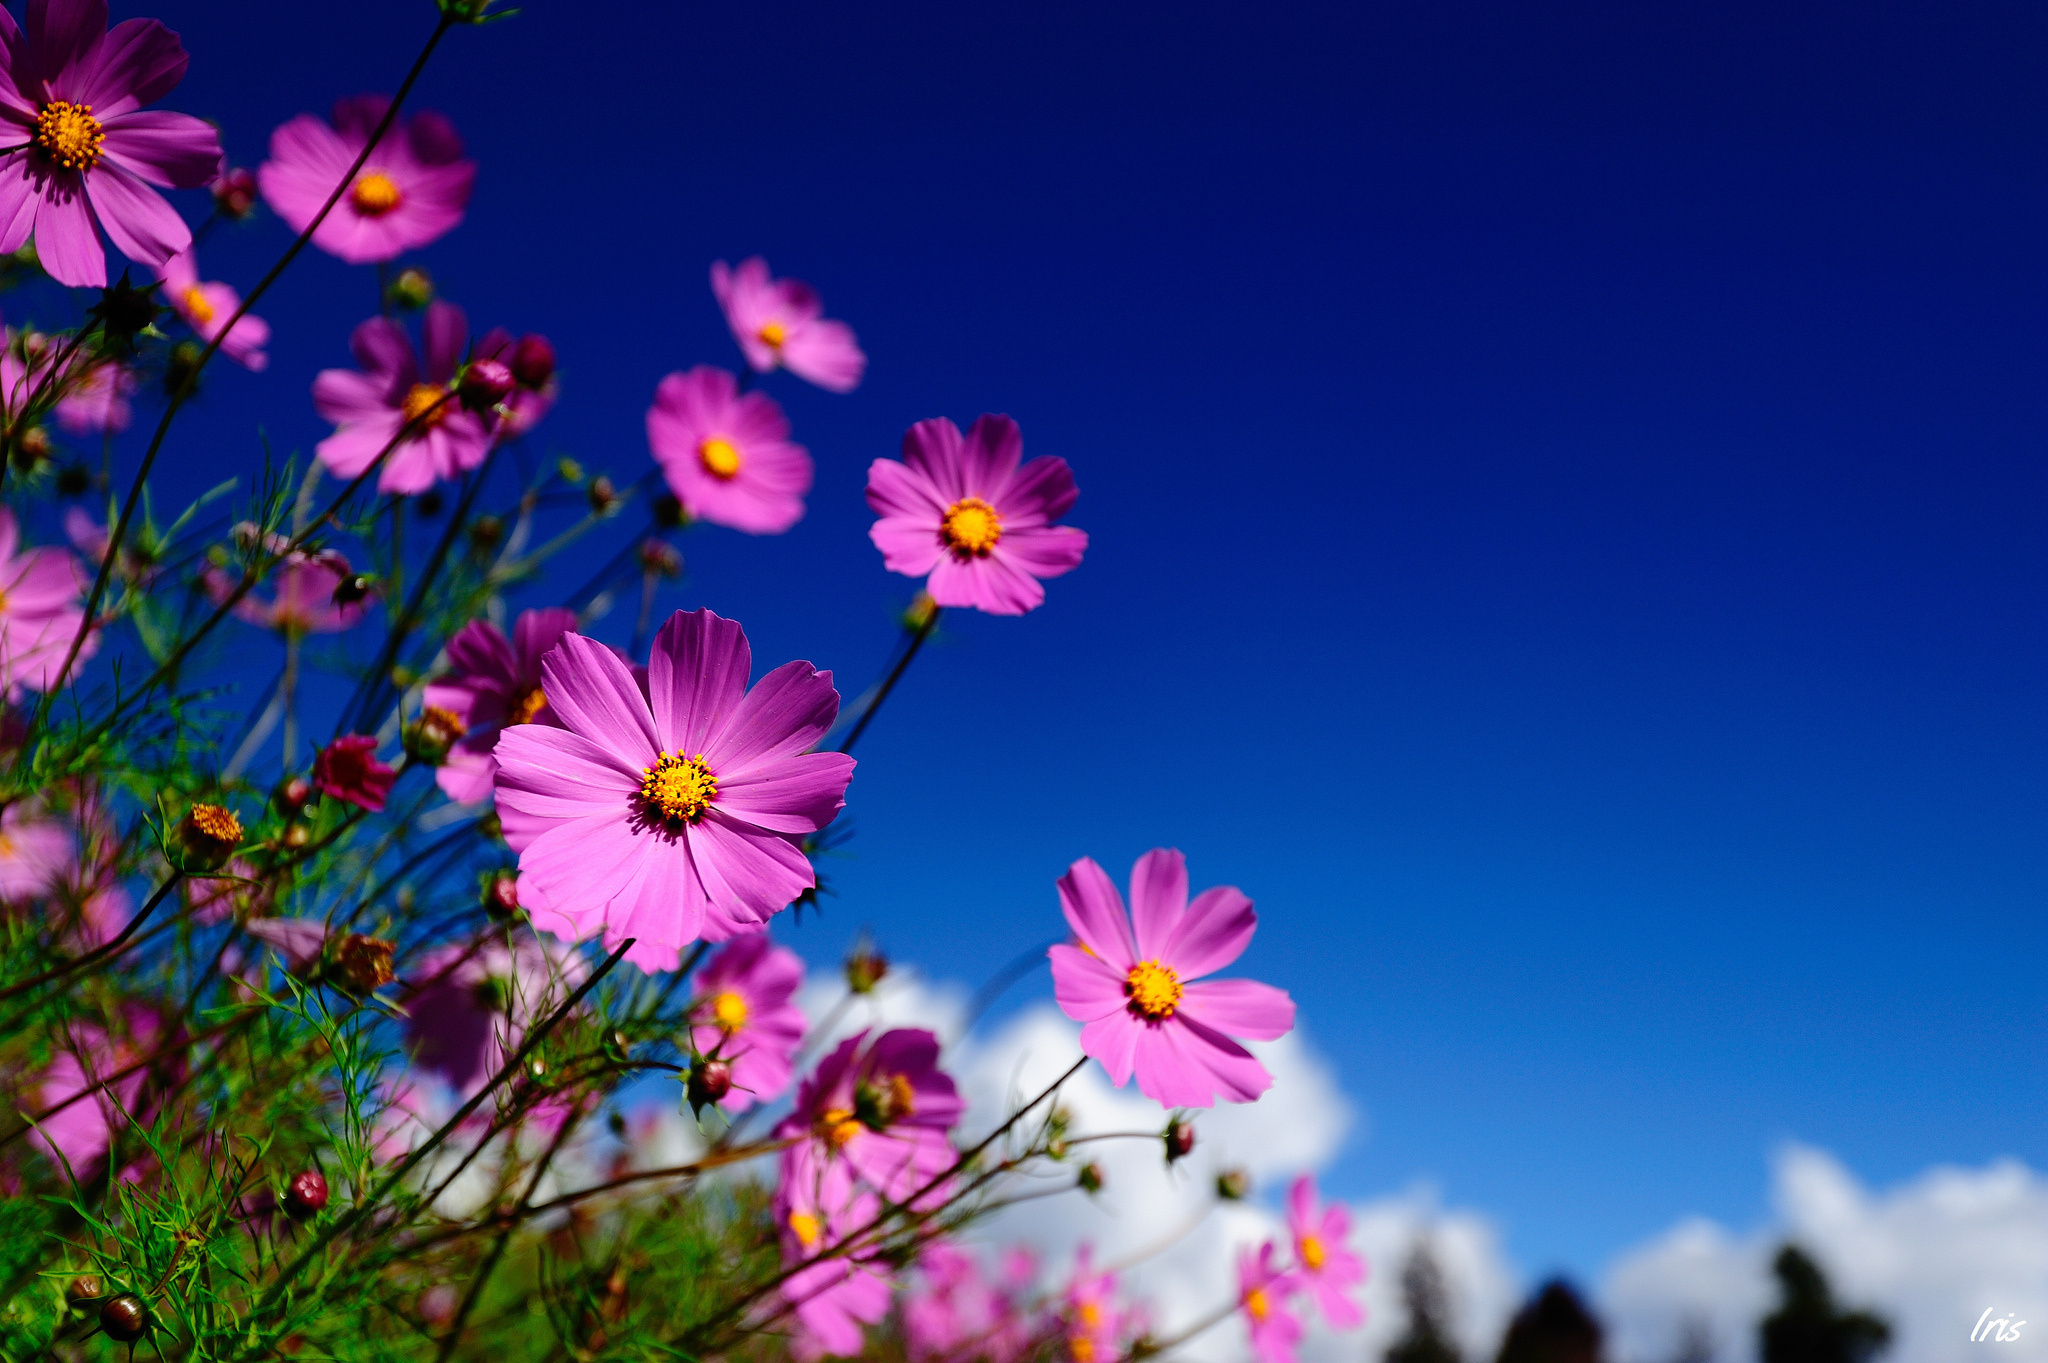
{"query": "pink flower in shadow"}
pixel 492 682
pixel 392 394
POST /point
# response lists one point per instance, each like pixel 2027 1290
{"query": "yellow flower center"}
pixel 772 334
pixel 530 704
pixel 427 404
pixel 729 1010
pixel 69 134
pixel 1082 1348
pixel 805 1227
pixel 1256 1304
pixel 839 1126
pixel 971 527
pixel 1090 1314
pixel 719 458
pixel 196 306
pixel 444 724
pixel 1153 989
pixel 218 824
pixel 374 194
pixel 1312 1253
pixel 679 788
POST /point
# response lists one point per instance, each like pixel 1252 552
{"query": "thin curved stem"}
pixel 867 716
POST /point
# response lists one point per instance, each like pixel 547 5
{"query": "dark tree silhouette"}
pixel 1428 1339
pixel 1555 1327
pixel 1807 1327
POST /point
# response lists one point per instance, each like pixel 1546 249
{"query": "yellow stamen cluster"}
pixel 971 528
pixel 1256 1304
pixel 772 335
pixel 902 1098
pixel 1153 989
pixel 679 789
pixel 719 457
pixel 729 1011
pixel 428 404
pixel 805 1227
pixel 530 704
pixel 375 194
pixel 196 307
pixel 1312 1253
pixel 838 1126
pixel 1081 1348
pixel 217 824
pixel 445 725
pixel 69 134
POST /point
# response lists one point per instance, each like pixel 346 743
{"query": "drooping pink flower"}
pixel 780 322
pixel 492 682
pixel 207 307
pixel 1325 1267
pixel 303 600
pixel 1089 1313
pixel 669 810
pixel 476 1003
pixel 962 510
pixel 1134 991
pixel 40 611
pixel 411 190
pixel 881 1110
pixel 389 394
pixel 727 456
pixel 85 149
pixel 1262 1297
pixel 348 769
pixel 93 399
pixel 746 1013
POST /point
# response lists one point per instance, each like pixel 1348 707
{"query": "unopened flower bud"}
pixel 533 361
pixel 485 532
pixel 31 447
pixel 865 968
pixel 428 504
pixel 362 964
pixel 181 366
pixel 292 796
pixel 306 1195
pixel 921 612
pixel 208 836
pixel 661 558
pixel 73 480
pixel 490 828
pixel 1233 1185
pixel 668 511
pixel 297 835
pixel 1090 1179
pixel 82 1289
pixel 412 290
pixel 537 1070
pixel 125 1319
pixel 429 737
pixel 1180 1139
pixel 501 893
pixel 124 310
pixel 234 193
pixel 485 384
pixel 569 471
pixel 710 1081
pixel 354 588
pixel 604 496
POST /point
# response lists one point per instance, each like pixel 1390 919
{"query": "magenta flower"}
pixel 1325 1267
pixel 963 511
pixel 85 149
pixel 1134 992
pixel 671 809
pixel 412 189
pixel 881 1111
pixel 348 769
pixel 475 1003
pixel 389 395
pixel 534 395
pixel 303 600
pixel 490 683
pixel 1092 1322
pixel 726 456
pixel 817 1207
pixel 41 609
pixel 36 853
pixel 238 892
pixel 298 942
pixel 955 1312
pixel 93 399
pixel 778 322
pixel 1262 1295
pixel 207 307
pixel 746 1013
pixel 95 1084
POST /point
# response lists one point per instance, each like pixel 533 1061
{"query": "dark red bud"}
pixel 533 361
pixel 234 193
pixel 293 795
pixel 710 1080
pixel 503 894
pixel 306 1194
pixel 485 384
pixel 1180 1140
pixel 125 1319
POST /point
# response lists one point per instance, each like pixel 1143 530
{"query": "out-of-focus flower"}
pixel 492 682
pixel 668 810
pixel 882 1109
pixel 475 1003
pixel 411 190
pixel 234 193
pixel 304 600
pixel 954 1311
pixel 533 362
pixel 206 307
pixel 35 853
pixel 138 565
pixel 87 1058
pixel 1325 1267
pixel 93 398
pixel 780 322
pixel 726 455
pixel 237 892
pixel 818 1203
pixel 86 149
pixel 348 769
pixel 1092 1322
pixel 360 963
pixel 412 290
pixel 746 1012
pixel 1262 1297
pixel 40 611
pixel 389 394
pixel 963 510
pixel 299 942
pixel 1130 983
pixel 534 387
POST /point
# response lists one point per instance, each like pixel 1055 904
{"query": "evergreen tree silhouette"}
pixel 1807 1328
pixel 1555 1327
pixel 1428 1339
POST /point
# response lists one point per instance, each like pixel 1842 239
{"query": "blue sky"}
pixel 1566 494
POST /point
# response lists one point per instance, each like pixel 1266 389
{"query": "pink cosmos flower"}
pixel 389 394
pixel 476 1003
pixel 348 769
pixel 524 407
pixel 413 188
pixel 86 1060
pixel 669 809
pixel 94 399
pixel 815 1209
pixel 303 602
pixel 880 1112
pixel 1092 1322
pixel 40 611
pixel 1262 1295
pixel 963 511
pixel 298 942
pixel 746 1012
pixel 492 682
pixel 1325 1266
pixel 85 149
pixel 778 321
pixel 238 892
pixel 955 1312
pixel 206 307
pixel 1134 990
pixel 35 853
pixel 726 456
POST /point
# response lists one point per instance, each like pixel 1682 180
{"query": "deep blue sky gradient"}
pixel 1566 493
